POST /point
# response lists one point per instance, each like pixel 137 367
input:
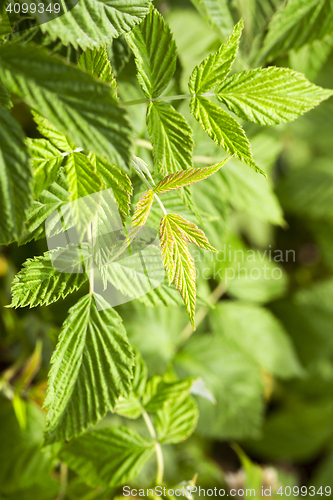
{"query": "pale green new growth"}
pixel 81 176
pixel 142 209
pixel 190 176
pixel 96 63
pixel 92 351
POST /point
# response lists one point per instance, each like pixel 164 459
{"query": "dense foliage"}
pixel 181 112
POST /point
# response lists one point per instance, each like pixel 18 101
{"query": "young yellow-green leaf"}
pixel 96 62
pixel 81 176
pixel 216 67
pixel 142 209
pixel 91 368
pixel 39 283
pixel 155 53
pixel 171 137
pixel 298 23
pixel 185 178
pixel 72 100
pixel 115 179
pixel 271 95
pixel 189 232
pixel 177 421
pixel 46 160
pixel 184 275
pixel 92 23
pixel 16 178
pixel 118 456
pixel 167 248
pixel 224 130
pixel 179 263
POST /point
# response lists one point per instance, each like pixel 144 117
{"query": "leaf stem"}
pixel 135 164
pixel 63 481
pixel 147 100
pixel 158 449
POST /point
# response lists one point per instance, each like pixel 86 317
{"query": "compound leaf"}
pixel 216 67
pixel 96 62
pixel 71 99
pixel 16 178
pixel 224 130
pixel 155 53
pixel 189 231
pixel 91 368
pixel 171 137
pixel 108 457
pixel 92 23
pixel 81 176
pixel 271 95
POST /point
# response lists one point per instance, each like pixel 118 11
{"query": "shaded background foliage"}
pixel 266 350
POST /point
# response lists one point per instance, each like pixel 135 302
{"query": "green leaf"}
pixel 155 53
pixel 115 179
pixel 256 331
pixel 73 101
pixel 91 368
pixel 189 232
pixel 96 63
pixel 159 392
pixel 185 178
pixel 300 22
pixel 46 160
pixel 216 67
pixel 57 139
pixel 171 137
pixel 23 463
pixel 4 97
pixel 217 14
pixel 92 23
pixel 81 176
pixel 224 130
pixel 39 283
pixel 16 178
pixel 142 209
pixel 108 457
pixel 177 421
pixel 49 201
pixel 234 379
pixel 179 264
pixel 271 95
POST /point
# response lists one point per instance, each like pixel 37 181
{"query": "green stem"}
pixel 136 167
pixel 148 100
pixel 63 481
pixel 158 449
